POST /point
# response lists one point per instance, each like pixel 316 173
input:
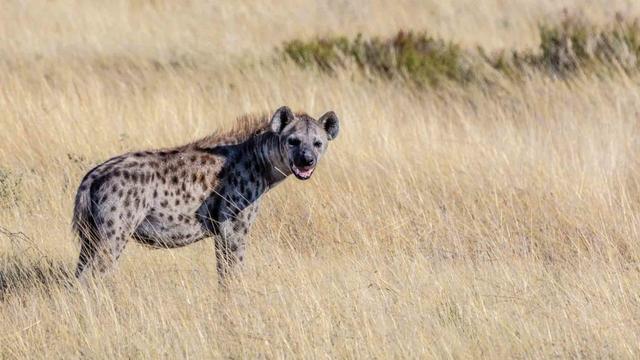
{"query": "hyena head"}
pixel 303 139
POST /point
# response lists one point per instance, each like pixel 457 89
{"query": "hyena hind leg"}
pixel 100 251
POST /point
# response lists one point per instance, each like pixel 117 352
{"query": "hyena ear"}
pixel 280 119
pixel 330 124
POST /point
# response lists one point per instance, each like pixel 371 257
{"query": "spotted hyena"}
pixel 209 188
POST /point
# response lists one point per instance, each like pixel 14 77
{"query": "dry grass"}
pixel 458 223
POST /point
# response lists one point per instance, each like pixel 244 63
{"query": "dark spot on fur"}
pixel 174 179
pixel 155 193
pixel 109 223
pixel 177 202
pixel 164 203
pixel 113 208
pixel 203 182
pixel 170 217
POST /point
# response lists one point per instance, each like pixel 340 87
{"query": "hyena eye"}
pixel 293 142
pixel 317 144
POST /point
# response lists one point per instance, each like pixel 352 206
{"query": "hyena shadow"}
pixel 25 267
pixel 19 275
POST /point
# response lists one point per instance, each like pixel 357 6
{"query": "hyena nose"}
pixel 308 159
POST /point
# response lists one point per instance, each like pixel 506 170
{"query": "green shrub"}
pixel 324 53
pixel 416 56
pixel 10 188
pixel 569 46
pixel 573 45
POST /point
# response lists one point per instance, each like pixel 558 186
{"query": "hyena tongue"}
pixel 304 172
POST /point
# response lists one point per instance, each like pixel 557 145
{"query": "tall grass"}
pixel 463 222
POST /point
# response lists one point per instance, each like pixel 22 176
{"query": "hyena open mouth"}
pixel 302 172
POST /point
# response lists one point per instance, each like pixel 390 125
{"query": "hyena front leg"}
pixel 230 248
pixel 230 240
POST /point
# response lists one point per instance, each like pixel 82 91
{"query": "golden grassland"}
pixel 453 222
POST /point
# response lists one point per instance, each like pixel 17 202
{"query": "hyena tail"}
pixel 84 224
pixel 82 217
pixel 82 209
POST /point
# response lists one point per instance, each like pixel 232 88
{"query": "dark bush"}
pixel 569 46
pixel 416 56
pixel 10 188
pixel 573 45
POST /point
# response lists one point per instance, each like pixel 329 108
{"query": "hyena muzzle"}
pixel 209 188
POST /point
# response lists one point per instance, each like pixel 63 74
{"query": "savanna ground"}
pixel 458 221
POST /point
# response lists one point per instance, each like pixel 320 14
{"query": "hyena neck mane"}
pixel 251 149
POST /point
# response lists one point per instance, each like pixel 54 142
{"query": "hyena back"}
pixel 209 188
